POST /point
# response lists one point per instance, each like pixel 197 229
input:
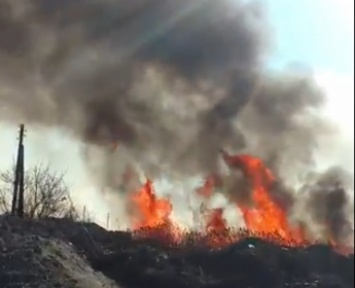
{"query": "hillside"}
pixel 61 253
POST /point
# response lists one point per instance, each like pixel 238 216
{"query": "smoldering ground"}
pixel 169 81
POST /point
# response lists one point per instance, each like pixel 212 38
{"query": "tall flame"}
pixel 152 212
pixel 265 218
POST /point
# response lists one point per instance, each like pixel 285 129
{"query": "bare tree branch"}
pixel 46 194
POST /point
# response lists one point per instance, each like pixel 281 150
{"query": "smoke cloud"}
pixel 164 79
pixel 327 192
pixel 168 81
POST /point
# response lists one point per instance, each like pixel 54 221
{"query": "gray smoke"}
pixel 169 81
pixel 328 192
pixel 164 79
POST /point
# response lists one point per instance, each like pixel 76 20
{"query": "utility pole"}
pixel 17 207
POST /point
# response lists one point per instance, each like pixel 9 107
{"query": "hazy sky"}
pixel 318 33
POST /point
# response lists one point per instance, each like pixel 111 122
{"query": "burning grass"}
pixel 264 219
pixel 210 239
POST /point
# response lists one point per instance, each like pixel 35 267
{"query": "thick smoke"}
pixel 164 79
pixel 328 205
pixel 169 81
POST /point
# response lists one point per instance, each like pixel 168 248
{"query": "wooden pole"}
pixel 21 206
pixel 18 193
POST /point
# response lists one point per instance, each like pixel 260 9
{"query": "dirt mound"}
pixel 61 253
pixel 31 257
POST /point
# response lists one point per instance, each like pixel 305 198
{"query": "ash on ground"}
pixel 62 253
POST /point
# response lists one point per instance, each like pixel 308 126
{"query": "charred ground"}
pixel 95 253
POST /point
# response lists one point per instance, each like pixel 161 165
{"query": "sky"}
pixel 319 34
pixel 316 33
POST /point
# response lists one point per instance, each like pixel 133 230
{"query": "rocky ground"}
pixel 61 253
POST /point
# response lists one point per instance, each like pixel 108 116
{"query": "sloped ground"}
pixel 31 257
pixel 61 253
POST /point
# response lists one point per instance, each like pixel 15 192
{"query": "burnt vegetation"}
pixel 136 263
pixel 251 262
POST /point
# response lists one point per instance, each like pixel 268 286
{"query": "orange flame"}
pixel 153 212
pixel 265 219
pixel 207 189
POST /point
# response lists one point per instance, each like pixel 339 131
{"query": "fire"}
pixel 152 212
pixel 217 232
pixel 207 189
pixel 153 216
pixel 264 219
pixel 216 223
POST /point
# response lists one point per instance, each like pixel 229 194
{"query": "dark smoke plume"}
pixel 169 81
pixel 164 79
pixel 329 205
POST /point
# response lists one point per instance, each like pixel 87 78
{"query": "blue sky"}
pixel 319 33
